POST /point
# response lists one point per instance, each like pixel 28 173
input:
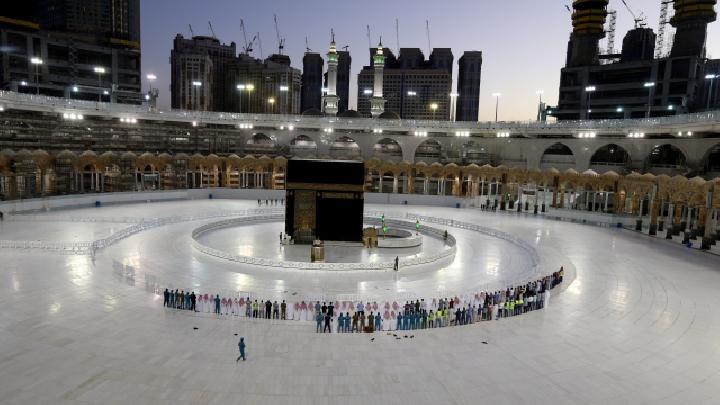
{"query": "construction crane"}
pixel 281 41
pixel 662 29
pixel 212 31
pixel 307 47
pixel 260 45
pixel 612 24
pixel 397 35
pixel 345 48
pixel 640 21
pixel 427 30
pixel 248 47
pixel 369 37
pixel 192 34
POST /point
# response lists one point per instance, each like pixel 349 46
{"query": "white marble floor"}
pixel 638 324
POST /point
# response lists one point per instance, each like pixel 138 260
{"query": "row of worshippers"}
pixel 510 302
pixel 483 306
pixel 224 306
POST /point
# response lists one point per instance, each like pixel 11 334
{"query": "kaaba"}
pixel 324 200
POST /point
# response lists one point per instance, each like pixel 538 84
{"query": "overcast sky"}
pixel 523 41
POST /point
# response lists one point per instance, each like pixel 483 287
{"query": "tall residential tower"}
pixel 468 87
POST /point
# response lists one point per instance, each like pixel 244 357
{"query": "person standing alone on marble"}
pixel 241 346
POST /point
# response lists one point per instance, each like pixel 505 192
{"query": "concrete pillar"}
pixel 395 185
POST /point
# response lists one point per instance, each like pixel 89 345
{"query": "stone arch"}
pixel 667 159
pixel 388 149
pixel 478 154
pixel 430 151
pixel 559 156
pixel 610 157
pixel 346 148
pixel 260 144
pixel 303 145
pixel 711 162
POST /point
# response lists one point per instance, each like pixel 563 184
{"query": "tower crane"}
pixel 307 47
pixel 192 34
pixel 281 41
pixel 369 37
pixel 640 20
pixel 662 28
pixel 427 30
pixel 397 35
pixel 212 31
pixel 248 46
pixel 260 45
pixel 612 24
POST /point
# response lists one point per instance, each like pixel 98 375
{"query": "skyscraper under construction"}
pixel 635 84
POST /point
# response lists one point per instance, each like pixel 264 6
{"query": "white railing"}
pixel 140 224
pixel 142 112
pixel 414 261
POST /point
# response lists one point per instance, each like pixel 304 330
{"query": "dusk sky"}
pixel 523 41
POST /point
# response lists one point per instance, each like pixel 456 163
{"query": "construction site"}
pixel 657 72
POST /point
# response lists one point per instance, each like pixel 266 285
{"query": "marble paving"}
pixel 638 324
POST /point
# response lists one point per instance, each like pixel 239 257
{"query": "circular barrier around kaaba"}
pixel 447 253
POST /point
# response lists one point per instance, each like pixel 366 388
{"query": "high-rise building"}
pixel 635 85
pixel 198 78
pixel 207 75
pixel 312 82
pixel 118 19
pixel 468 87
pixel 81 49
pixel 412 87
pixel 343 80
pixel 269 86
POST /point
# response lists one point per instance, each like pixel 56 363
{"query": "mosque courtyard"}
pixel 635 320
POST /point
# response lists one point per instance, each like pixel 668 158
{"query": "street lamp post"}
pixel 37 62
pixel 284 89
pixel 649 86
pixel 243 87
pixel 589 90
pixel 434 107
pixel 271 101
pixel 712 78
pixel 196 99
pixel 497 104
pixel 100 71
pixel 453 106
pixel 150 78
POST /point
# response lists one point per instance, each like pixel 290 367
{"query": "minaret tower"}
pixel 331 99
pixel 377 103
